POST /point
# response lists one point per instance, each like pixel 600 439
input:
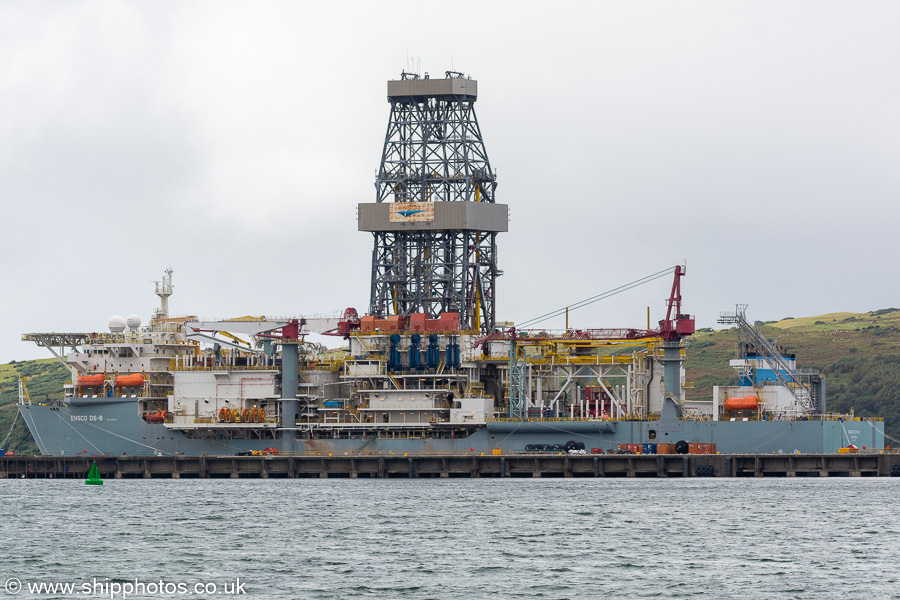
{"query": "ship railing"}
pixel 324 364
pixel 424 373
pixel 838 417
pixel 365 453
pixel 569 419
pixel 182 420
pixel 408 406
pixel 558 360
pixel 224 368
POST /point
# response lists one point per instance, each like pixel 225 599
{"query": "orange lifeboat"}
pixel 133 380
pixel 746 403
pixel 254 415
pixel 245 415
pixel 157 417
pixel 223 415
pixel 90 381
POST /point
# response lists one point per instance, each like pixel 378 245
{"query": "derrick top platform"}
pixel 418 88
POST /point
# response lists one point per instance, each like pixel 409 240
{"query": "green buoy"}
pixel 93 477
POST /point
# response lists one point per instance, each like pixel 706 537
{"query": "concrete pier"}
pixel 466 465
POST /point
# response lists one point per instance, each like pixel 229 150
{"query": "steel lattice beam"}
pixel 434 153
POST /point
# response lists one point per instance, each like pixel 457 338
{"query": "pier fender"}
pixel 682 447
pixel 705 471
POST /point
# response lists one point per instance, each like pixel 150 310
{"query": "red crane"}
pixel 673 329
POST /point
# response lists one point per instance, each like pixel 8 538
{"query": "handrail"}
pixel 224 368
pixel 565 419
pixel 402 407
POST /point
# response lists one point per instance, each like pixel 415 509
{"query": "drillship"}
pixel 428 368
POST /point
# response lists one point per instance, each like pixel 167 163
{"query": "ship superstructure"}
pixel 769 383
pixel 429 368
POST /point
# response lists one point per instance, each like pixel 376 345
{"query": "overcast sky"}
pixel 757 141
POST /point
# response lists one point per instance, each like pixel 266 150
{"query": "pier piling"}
pixel 463 465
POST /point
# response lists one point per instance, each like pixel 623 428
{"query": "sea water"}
pixel 455 538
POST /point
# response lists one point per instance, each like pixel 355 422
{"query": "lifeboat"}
pixel 223 415
pixel 245 416
pixel 133 380
pixel 262 415
pixel 90 381
pixel 254 415
pixel 157 417
pixel 746 403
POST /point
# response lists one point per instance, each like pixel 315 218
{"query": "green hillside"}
pixel 858 353
pixel 47 377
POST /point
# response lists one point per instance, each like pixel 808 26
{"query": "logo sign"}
pixel 411 212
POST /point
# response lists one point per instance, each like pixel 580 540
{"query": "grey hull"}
pixel 114 428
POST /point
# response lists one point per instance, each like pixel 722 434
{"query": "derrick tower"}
pixel 434 219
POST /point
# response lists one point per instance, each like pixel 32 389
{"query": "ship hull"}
pixel 115 428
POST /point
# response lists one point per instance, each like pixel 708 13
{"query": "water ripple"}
pixel 465 539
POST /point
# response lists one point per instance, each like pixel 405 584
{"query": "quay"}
pixel 425 465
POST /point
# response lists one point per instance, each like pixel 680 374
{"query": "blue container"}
pixel 649 448
pixel 2 452
pixel 334 404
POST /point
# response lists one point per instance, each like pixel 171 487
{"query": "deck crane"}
pixel 682 325
pixel 673 329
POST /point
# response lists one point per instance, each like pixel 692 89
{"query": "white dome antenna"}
pixel 117 323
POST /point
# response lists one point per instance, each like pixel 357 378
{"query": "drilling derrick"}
pixel 434 219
